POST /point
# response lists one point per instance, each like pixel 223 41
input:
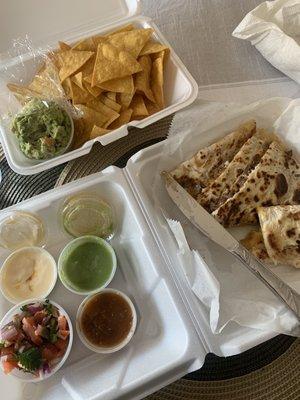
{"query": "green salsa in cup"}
pixel 87 264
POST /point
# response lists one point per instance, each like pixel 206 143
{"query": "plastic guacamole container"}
pixel 86 265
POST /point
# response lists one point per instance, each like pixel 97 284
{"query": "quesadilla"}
pixel 254 242
pixel 274 181
pixel 207 164
pixel 280 227
pixel 235 174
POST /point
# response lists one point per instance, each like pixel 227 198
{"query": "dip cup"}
pixel 72 245
pixel 22 250
pixel 25 377
pixel 119 346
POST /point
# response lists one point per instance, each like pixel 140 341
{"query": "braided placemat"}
pixel 270 371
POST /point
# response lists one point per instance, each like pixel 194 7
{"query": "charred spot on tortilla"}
pixel 281 185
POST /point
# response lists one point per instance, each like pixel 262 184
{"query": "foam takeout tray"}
pixel 69 21
pixel 173 334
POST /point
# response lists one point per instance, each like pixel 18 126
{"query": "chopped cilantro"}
pixel 31 360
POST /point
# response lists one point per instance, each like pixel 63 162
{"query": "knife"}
pixel 211 228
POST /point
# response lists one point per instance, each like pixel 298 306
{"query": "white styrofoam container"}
pixel 71 21
pixel 173 334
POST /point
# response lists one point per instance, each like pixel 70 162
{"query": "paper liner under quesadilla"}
pixel 274 181
pixel 254 242
pixel 207 164
pixel 280 227
pixel 235 174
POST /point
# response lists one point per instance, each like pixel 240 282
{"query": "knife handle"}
pixel 276 285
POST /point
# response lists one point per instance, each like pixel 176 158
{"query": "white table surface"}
pixel 200 32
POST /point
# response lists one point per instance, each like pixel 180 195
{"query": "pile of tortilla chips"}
pixel 111 80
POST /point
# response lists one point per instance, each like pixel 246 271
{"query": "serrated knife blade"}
pixel 211 228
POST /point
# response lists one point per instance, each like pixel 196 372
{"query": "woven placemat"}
pixel 276 363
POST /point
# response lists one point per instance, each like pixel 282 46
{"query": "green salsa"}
pixel 87 266
pixel 43 129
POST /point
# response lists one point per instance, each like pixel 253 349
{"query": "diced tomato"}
pixel 61 344
pixel 5 351
pixel 29 328
pixel 39 316
pixel 62 323
pixel 39 330
pixel 9 365
pixel 50 352
pixel 63 334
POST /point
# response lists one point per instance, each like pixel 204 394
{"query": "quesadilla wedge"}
pixel 199 171
pixel 280 227
pixel 254 242
pixel 235 174
pixel 274 181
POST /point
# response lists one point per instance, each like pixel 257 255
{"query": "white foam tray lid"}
pixel 68 21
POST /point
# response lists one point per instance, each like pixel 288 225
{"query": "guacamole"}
pixel 43 129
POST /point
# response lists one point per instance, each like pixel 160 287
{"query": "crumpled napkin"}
pixel 274 29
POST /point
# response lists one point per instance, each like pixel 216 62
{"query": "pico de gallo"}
pixel 35 340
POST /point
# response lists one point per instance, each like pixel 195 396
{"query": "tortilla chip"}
pixel 80 137
pixel 78 80
pixel 79 96
pixel 125 28
pixel 92 117
pixel 112 96
pixel 152 47
pixel 88 68
pixel 22 93
pixel 103 109
pixel 119 85
pixel 142 78
pixel 157 81
pixel 125 99
pixel 123 119
pixel 46 82
pixel 67 87
pixel 95 91
pixel 161 54
pixel 110 103
pixel 64 46
pixel 85 45
pixel 71 61
pixel 131 41
pixel 96 132
pixel 112 62
pixel 152 108
pixel 138 107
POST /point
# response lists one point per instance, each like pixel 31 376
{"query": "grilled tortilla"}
pixel 254 242
pixel 207 164
pixel 280 227
pixel 235 174
pixel 274 181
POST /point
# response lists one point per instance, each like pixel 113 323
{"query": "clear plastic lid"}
pixel 21 229
pixel 87 214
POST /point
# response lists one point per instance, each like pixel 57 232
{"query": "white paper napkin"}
pixel 274 29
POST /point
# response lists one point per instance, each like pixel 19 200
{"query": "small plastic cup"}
pixel 72 245
pixel 24 376
pixel 5 266
pixel 125 341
